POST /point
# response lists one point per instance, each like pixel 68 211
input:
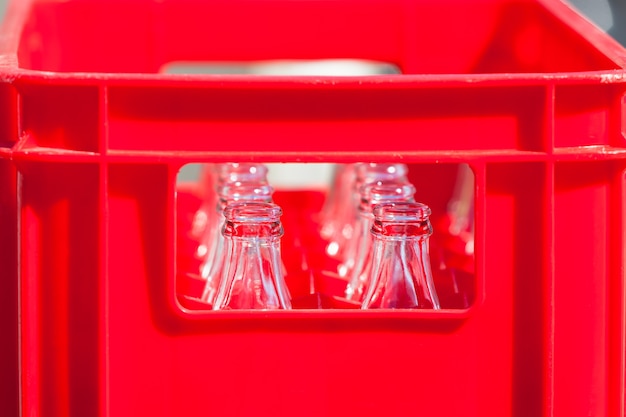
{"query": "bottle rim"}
pixel 252 212
pixel 401 212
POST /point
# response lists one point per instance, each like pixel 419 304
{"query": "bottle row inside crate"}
pixel 316 240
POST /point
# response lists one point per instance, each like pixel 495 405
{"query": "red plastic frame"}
pixel 527 92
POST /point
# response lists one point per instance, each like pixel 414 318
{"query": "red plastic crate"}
pixel 92 135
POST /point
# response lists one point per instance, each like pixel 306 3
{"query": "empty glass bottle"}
pixel 375 172
pixel 236 171
pixel 366 174
pixel 401 275
pixel 340 216
pixel 359 258
pixel 252 278
pixel 238 191
pixel 223 174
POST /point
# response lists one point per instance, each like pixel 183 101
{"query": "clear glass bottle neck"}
pixel 232 172
pixel 397 231
pixel 270 231
pixel 383 192
pixel 372 172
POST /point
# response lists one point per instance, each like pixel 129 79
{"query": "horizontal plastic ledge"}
pixel 313 116
pixel 10 73
pixel 591 153
pixel 370 316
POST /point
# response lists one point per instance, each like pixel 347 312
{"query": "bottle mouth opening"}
pixel 251 212
pixel 386 192
pixel 401 212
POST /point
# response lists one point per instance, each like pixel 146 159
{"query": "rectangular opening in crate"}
pixel 328 250
pixel 334 67
pixel 451 36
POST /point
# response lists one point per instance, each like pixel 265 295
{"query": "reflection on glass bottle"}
pixel 366 174
pixel 375 172
pixel 252 276
pixel 401 275
pixel 229 192
pixel 359 255
pixel 340 227
pixel 222 175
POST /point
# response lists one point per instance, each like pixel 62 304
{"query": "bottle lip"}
pixel 252 212
pixel 401 212
pixel 384 191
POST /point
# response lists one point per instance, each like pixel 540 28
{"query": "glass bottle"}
pixel 237 191
pixel 375 172
pixel 360 252
pixel 223 174
pixel 252 277
pixel 366 173
pixel 401 275
pixel 236 171
pixel 341 228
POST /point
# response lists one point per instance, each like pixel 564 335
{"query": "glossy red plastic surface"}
pixel 92 135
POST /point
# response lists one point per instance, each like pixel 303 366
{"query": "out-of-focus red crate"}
pixel 92 135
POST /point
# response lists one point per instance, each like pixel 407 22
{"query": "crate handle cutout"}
pixel 303 67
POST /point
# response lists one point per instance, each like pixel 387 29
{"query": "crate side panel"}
pixel 392 31
pixel 617 296
pixel 59 287
pixel 582 233
pixel 529 38
pixel 336 371
pixel 63 117
pixel 162 364
pixel 565 48
pixel 9 112
pixel 450 42
pixel 322 119
pixel 9 372
pixel 584 116
pixel 485 36
pixel 76 36
pixel 141 370
pixel 253 30
pixel 516 253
